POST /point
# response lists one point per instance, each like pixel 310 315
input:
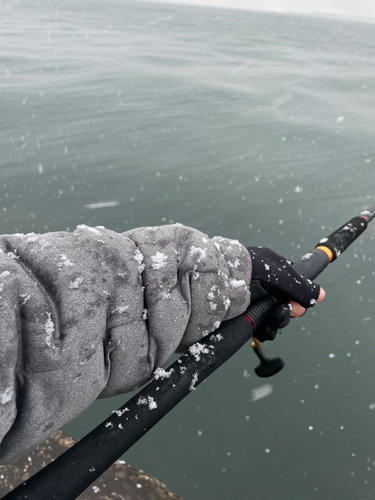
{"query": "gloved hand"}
pixel 273 275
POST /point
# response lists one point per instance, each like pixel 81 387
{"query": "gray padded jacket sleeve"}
pixel 93 313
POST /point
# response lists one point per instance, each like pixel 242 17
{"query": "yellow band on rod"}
pixel 327 251
pixel 255 343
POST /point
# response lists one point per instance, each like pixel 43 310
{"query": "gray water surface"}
pixel 254 126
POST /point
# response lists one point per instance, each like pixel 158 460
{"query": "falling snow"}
pixel 261 392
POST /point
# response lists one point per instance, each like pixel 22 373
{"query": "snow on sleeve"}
pixel 227 303
pixel 75 283
pixel 236 242
pixel 138 257
pixel 64 262
pixel 25 298
pixel 120 309
pixel 222 291
pixel 192 283
pixel 6 396
pixel 49 328
pixel 237 283
pixel 199 253
pixel 90 229
pixel 159 260
pixel 234 264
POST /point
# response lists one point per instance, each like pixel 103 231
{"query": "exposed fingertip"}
pixel 297 309
pixel 322 294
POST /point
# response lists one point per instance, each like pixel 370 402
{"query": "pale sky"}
pixel 353 8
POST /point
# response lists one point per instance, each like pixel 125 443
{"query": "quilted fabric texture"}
pixel 94 313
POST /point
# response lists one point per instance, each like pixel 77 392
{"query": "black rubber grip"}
pixel 259 310
pixel 312 264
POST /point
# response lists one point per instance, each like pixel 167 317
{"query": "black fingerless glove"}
pixel 273 275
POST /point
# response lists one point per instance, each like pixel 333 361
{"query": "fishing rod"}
pixel 71 473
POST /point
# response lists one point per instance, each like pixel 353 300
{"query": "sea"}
pixel 253 126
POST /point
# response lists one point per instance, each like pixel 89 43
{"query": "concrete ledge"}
pixel 119 482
